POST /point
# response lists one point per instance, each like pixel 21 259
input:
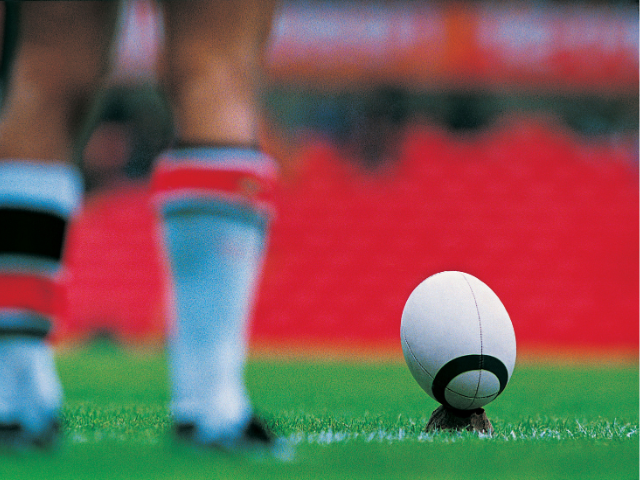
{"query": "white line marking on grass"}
pixel 582 432
pixel 330 437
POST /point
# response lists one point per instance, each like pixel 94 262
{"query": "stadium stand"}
pixel 548 219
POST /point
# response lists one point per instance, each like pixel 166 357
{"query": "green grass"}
pixel 347 421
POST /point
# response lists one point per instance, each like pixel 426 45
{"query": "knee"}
pixel 58 73
pixel 63 48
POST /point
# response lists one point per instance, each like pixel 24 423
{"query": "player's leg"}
pixel 62 52
pixel 62 47
pixel 213 189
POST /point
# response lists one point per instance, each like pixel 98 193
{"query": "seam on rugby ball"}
pixel 481 363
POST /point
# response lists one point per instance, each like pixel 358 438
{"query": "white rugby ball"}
pixel 458 340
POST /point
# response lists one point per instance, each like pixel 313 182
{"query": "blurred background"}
pixel 495 138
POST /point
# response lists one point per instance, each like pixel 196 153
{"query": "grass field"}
pixel 347 420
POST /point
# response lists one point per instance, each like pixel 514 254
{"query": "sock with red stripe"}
pixel 36 202
pixel 215 206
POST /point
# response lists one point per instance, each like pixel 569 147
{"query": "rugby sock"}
pixel 36 203
pixel 215 205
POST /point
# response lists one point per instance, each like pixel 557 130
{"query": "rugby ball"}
pixel 458 340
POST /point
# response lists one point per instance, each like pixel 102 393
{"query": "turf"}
pixel 346 420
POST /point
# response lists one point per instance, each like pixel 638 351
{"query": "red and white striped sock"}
pixel 36 202
pixel 215 206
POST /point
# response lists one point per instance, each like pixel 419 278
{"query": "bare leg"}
pixel 62 55
pixel 213 66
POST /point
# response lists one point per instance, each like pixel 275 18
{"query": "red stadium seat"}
pixel 547 219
